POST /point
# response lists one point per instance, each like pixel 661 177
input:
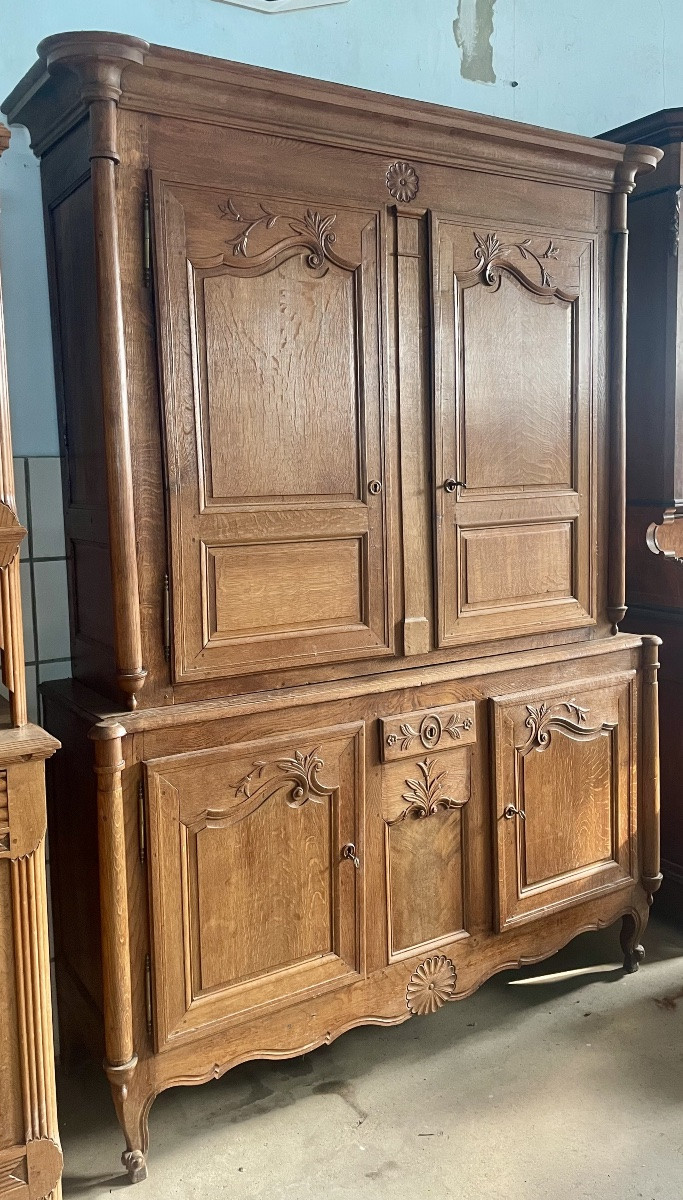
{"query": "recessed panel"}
pixel 516 564
pixel 518 385
pixel 264 893
pixel 281 404
pixel 566 792
pixel 276 587
pixel 426 880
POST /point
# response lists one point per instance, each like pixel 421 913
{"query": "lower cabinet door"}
pixel 565 795
pixel 256 873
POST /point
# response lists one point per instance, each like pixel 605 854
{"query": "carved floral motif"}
pixel 542 718
pixel 297 775
pixel 431 985
pixel 426 796
pixel 403 182
pixel 491 253
pixel 431 731
pixel 313 231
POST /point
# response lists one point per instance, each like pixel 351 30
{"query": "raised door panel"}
pixel 254 897
pixel 514 422
pixel 270 334
pixel 564 768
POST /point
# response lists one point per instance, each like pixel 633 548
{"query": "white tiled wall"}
pixel 43 574
pixel 45 611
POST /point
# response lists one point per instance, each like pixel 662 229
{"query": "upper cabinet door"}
pixel 513 442
pixel 270 326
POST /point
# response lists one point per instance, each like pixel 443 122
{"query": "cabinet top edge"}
pixel 115 723
pixel 657 129
pixel 54 94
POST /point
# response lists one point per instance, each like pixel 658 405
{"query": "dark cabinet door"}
pixel 271 352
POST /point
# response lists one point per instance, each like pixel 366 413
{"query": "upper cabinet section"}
pixel 360 367
pixel 514 358
pixel 269 334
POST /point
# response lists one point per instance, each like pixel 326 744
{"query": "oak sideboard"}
pixel 352 725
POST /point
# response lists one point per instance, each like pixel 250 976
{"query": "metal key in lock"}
pixel 349 851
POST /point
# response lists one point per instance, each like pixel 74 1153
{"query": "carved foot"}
pixel 634 954
pixel 633 959
pixel 134 1162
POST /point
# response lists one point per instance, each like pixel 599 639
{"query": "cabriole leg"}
pixel 631 930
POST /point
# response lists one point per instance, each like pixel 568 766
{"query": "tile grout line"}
pixel 34 607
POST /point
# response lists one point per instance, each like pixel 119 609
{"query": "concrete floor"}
pixel 560 1082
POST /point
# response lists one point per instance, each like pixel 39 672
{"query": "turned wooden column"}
pixel 121 1059
pixel 100 77
pixel 616 564
pixel 118 1010
pixel 651 875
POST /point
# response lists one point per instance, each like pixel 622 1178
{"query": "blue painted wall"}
pixel 580 65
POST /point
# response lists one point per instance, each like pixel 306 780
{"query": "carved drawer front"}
pixel 256 874
pixel 428 730
pixel 271 355
pixel 565 795
pixel 513 362
pixel 424 810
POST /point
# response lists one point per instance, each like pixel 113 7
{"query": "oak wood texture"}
pixel 654 452
pixel 30 1154
pixel 359 433
pixel 244 793
pixel 245 252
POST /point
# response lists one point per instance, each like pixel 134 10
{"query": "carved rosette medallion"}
pixel 431 985
pixel 403 182
pixel 297 776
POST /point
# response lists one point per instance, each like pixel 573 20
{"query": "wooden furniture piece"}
pixel 344 494
pixel 30 1154
pixel 654 458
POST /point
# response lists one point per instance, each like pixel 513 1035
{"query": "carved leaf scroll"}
pixel 426 795
pixel 566 716
pixel 312 235
pixel 494 257
pixel 298 776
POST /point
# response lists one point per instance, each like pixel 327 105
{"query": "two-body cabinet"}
pixel 341 391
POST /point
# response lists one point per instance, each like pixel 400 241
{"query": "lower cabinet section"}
pixel 277 870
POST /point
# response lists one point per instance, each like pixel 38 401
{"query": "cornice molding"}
pixel 237 96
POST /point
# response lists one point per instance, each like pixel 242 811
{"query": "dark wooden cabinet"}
pixel 30 1153
pixel 654 511
pixel 341 388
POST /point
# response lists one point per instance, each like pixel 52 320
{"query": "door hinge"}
pixel 142 829
pixel 167 619
pixel 146 242
pixel 148 993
